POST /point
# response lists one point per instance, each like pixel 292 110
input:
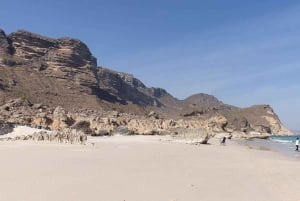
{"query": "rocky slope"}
pixel 62 75
pixel 64 72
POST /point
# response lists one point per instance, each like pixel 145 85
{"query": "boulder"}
pixel 101 132
pixel 192 136
pixel 122 130
pixel 83 126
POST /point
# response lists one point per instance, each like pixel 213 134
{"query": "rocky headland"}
pixel 56 84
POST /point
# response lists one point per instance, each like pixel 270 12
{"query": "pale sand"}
pixel 144 168
pixel 22 130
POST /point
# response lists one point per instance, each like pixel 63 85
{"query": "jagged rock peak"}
pixel 78 46
pixel 159 92
pixel 126 77
pixel 130 79
pixel 5 43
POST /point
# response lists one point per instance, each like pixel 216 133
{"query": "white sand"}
pixel 144 168
pixel 22 130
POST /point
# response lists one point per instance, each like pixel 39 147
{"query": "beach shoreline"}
pixel 145 168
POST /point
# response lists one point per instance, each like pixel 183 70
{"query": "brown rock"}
pixel 63 74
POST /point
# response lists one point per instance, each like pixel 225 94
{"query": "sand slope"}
pixel 141 168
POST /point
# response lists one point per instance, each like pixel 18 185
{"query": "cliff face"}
pixel 125 88
pixel 59 53
pixel 63 72
pixel 62 68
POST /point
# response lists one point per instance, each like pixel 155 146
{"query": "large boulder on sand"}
pixel 122 130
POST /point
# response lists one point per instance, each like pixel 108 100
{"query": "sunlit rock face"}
pixel 62 75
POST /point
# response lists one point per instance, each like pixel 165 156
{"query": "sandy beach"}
pixel 144 168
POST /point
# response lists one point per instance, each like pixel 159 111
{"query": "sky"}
pixel 242 52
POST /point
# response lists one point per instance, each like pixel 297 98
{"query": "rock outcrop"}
pixel 66 136
pixel 58 72
pixel 59 53
pixel 98 123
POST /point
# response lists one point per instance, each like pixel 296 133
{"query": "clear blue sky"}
pixel 242 52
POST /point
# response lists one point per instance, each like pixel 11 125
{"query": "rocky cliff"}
pixel 62 75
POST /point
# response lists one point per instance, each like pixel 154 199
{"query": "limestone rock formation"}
pixel 99 123
pixel 192 136
pixel 56 53
pixel 65 136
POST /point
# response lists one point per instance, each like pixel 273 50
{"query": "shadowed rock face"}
pixel 126 88
pixel 63 72
pixel 6 128
pixel 5 44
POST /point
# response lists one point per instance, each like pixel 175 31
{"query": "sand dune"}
pixel 144 168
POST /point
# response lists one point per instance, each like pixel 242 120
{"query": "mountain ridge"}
pixel 63 72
